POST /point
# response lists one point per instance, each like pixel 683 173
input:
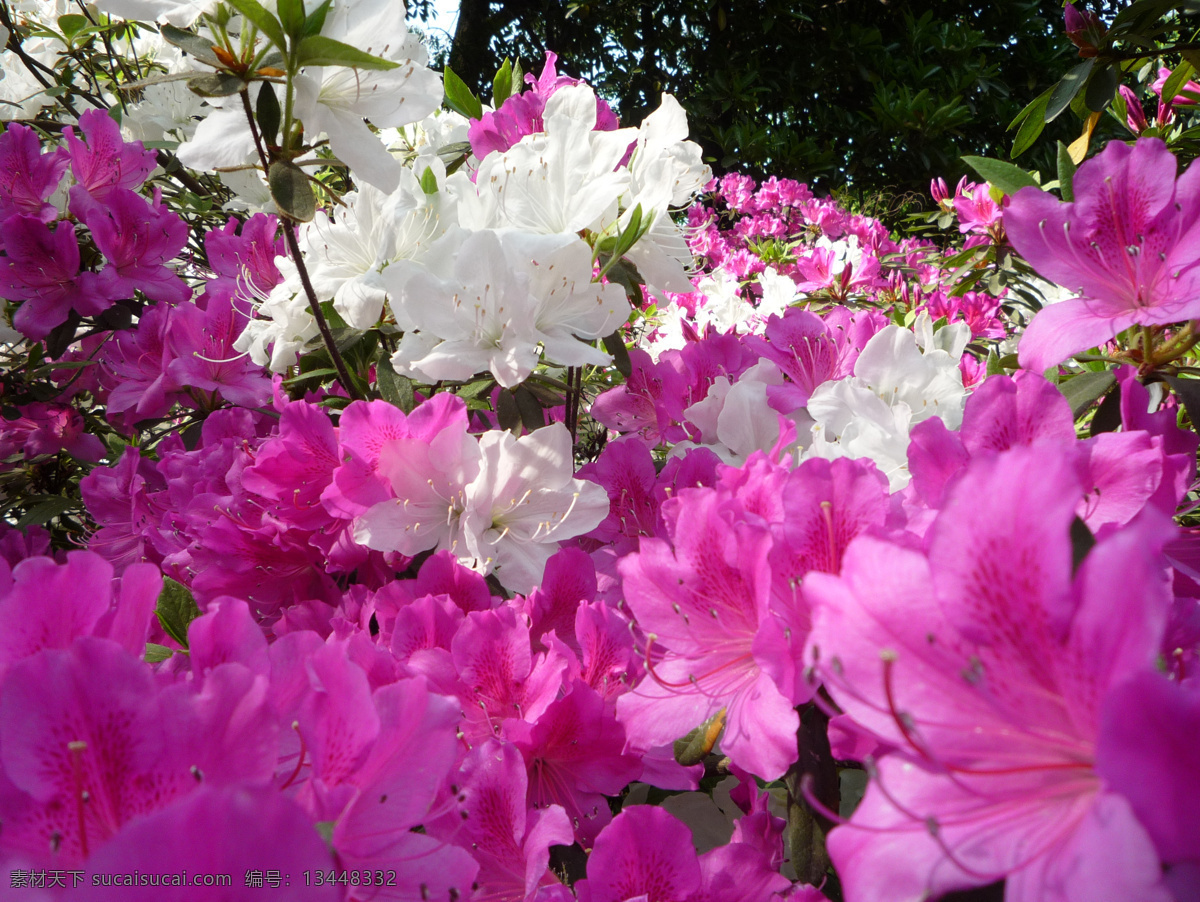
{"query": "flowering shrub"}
pixel 488 503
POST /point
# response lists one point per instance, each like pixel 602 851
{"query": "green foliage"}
pixel 856 93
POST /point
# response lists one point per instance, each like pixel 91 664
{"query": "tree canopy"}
pixel 864 93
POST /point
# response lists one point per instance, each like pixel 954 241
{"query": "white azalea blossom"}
pixel 894 387
pixel 524 501
pixel 336 99
pixel 489 301
pixel 429 480
pixel 561 180
pixel 283 323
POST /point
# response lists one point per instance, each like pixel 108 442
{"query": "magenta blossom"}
pixel 521 114
pixel 986 663
pixel 1128 246
pixel 105 162
pixel 28 176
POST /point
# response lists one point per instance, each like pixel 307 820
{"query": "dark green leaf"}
pixel 292 193
pixel 993 364
pixel 156 653
pixel 1108 415
pixel 318 50
pixel 61 336
pixel 45 510
pixel 118 317
pixel 1082 391
pixel 316 19
pixel 396 389
pixel 502 84
pixel 291 17
pixel 1176 80
pixel 1101 87
pixel 1082 541
pixel 1066 173
pixel 508 415
pixel 1066 89
pixel 263 20
pixel 1032 121
pixel 1008 178
pixel 531 411
pixel 459 97
pixel 200 48
pixel 268 113
pixel 615 345
pixel 216 84
pixel 176 609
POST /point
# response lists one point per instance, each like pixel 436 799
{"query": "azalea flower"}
pixel 1128 247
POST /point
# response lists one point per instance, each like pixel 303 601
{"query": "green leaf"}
pixel 156 653
pixel 216 84
pixel 200 48
pixel 1101 87
pixel 396 389
pixel 318 50
pixel 291 191
pixel 71 25
pixel 176 609
pixel 615 345
pixel 993 364
pixel 1176 80
pixel 502 84
pixel 263 20
pixel 316 19
pixel 1066 173
pixel 459 97
pixel 429 181
pixel 1032 121
pixel 1081 391
pixel 267 113
pixel 531 411
pixel 45 510
pixel 508 415
pixel 627 276
pixel 1008 178
pixel 1107 417
pixel 291 17
pixel 1066 89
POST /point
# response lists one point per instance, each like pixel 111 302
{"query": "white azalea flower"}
pixel 429 479
pixel 561 180
pixel 487 300
pixel 524 501
pixel 335 99
pixel 894 386
pixel 283 322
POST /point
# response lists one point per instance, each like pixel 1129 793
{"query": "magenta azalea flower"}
pixel 1128 246
pixel 987 665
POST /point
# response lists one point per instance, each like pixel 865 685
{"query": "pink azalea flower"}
pixel 105 162
pixel 1128 246
pixel 42 270
pixel 521 114
pixel 575 757
pixel 510 841
pixel 986 664
pixel 28 176
pixel 137 239
pixel 233 831
pixel 703 601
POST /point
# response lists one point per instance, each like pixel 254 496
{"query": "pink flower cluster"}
pixel 316 635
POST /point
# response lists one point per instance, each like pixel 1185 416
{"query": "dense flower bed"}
pixel 490 504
